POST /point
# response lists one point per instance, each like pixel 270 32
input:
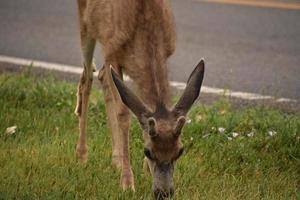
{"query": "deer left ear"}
pixel 191 91
pixel 130 99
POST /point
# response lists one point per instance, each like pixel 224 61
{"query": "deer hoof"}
pixel 127 181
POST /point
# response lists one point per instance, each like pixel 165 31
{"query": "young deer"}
pixel 137 37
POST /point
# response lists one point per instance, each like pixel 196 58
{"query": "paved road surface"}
pixel 246 48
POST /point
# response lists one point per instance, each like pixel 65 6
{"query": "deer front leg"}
pixel 84 89
pixel 119 122
pixel 110 107
pixel 123 115
pixel 83 92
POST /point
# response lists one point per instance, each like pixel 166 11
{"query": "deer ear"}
pixel 180 123
pixel 191 91
pixel 130 99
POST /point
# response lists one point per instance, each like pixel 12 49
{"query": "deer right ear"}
pixel 191 91
pixel 130 99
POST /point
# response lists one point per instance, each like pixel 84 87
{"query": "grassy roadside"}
pixel 252 153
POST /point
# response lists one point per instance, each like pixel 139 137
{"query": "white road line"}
pixel 259 3
pixel 41 64
pixel 178 85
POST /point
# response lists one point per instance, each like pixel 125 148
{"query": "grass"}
pixel 38 160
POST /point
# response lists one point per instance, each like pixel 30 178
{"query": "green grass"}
pixel 38 160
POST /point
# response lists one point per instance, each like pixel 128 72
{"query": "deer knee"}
pixel 89 84
pixel 86 82
pixel 101 74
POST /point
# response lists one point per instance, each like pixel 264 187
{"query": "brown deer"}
pixel 137 37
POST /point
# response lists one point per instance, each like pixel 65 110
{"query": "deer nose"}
pixel 162 194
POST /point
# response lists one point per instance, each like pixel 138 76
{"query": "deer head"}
pixel 162 129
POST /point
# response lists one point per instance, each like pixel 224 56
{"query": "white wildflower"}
pixel 221 130
pixel 198 118
pixel 235 134
pixel 251 134
pixel 188 121
pixel 223 111
pixel 11 130
pixel 272 133
pixel 229 138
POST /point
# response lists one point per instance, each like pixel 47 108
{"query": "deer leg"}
pixel 123 115
pixel 83 92
pixel 87 50
pixel 119 122
pixel 110 107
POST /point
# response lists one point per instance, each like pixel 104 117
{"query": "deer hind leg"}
pixel 83 91
pixel 119 122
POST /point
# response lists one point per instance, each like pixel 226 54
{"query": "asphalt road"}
pixel 246 48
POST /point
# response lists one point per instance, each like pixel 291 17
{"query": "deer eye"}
pixel 147 153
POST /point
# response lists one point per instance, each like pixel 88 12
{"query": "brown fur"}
pixel 137 37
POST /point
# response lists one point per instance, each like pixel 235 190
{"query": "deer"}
pixel 137 38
